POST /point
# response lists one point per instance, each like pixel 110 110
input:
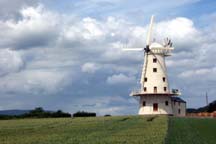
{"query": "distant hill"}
pixel 209 108
pixel 38 112
pixel 13 112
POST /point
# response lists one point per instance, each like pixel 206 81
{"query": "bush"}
pixel 40 113
pixel 84 114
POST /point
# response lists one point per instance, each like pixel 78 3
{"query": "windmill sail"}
pixel 148 39
pixel 144 71
pixel 148 42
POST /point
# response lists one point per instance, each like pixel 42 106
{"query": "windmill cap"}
pixel 155 45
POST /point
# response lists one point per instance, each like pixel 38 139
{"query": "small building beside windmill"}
pixel 155 95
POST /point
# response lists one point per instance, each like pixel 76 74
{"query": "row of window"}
pixel 146 79
pixel 166 103
pixel 155 89
pixel 155 106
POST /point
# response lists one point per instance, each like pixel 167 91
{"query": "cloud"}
pixel 34 82
pixel 199 73
pixel 90 67
pixel 133 10
pixel 10 62
pixel 107 104
pixel 37 27
pixel 181 30
pixel 87 29
pixel 120 79
pixel 180 63
pixel 11 10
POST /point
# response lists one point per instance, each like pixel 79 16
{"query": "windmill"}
pixel 154 93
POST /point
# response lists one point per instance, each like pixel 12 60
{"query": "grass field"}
pixel 109 130
pixel 191 131
pixel 101 130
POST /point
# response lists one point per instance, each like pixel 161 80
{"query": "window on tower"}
pixel 166 103
pixel 154 60
pixel 164 79
pixel 165 88
pixel 179 111
pixel 154 69
pixel 155 89
pixel 144 103
pixel 145 79
pixel 145 89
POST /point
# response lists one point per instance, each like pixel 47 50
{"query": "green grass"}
pixel 101 130
pixel 191 131
pixel 109 130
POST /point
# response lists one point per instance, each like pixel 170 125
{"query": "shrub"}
pixel 84 114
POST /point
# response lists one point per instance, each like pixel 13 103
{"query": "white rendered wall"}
pixel 179 105
pixel 150 100
pixel 155 79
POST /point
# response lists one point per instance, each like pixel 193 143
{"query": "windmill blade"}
pixel 132 49
pixel 148 38
pixel 144 70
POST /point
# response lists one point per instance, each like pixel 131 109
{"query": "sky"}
pixel 68 54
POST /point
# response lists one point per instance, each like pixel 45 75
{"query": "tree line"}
pixel 38 112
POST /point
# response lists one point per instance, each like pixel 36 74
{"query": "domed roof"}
pixel 155 45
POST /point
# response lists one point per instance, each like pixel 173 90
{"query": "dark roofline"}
pixel 177 99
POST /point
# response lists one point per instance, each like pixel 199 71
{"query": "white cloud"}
pixel 120 79
pixel 10 62
pixel 10 10
pixel 35 82
pixel 180 63
pixel 181 31
pixel 37 27
pixel 199 72
pixel 90 67
pixel 85 30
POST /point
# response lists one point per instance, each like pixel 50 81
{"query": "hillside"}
pixel 209 108
pixel 13 112
pixel 38 112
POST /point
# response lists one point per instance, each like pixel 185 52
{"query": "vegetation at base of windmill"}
pixel 191 131
pixel 38 112
pixel 85 130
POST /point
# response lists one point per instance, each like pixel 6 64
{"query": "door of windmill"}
pixel 155 107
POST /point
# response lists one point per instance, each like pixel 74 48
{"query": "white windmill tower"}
pixel 155 94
